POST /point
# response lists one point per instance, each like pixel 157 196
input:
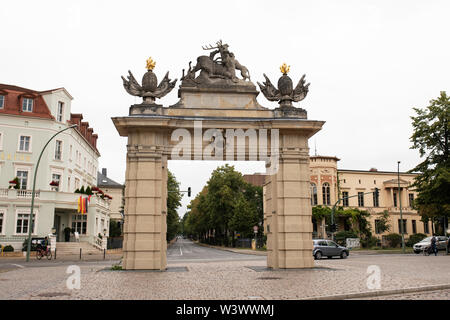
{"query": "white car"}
pixel 441 244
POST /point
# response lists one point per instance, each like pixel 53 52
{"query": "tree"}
pixel 431 137
pixel 173 203
pixel 244 218
pixel 114 229
pixel 382 223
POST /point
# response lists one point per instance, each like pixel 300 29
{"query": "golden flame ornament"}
pixel 285 68
pixel 150 63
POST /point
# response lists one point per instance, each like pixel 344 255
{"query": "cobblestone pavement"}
pixel 240 279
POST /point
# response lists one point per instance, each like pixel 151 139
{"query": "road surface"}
pixel 184 250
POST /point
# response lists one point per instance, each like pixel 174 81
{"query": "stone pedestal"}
pixel 287 207
pixel 145 203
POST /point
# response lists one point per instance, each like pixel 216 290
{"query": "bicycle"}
pixel 40 252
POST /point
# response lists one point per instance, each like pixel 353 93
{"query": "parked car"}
pixel 441 244
pixel 329 249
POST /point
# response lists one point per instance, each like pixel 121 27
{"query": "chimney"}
pixel 104 171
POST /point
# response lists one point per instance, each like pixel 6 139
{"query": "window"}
pixel 27 105
pixel 426 227
pixel 2 101
pixel 360 199
pixel 68 184
pixel 377 226
pixel 79 223
pixel 1 221
pixel 59 116
pixel 405 230
pixel 345 198
pixel 414 229
pixel 23 221
pixel 326 193
pixel 376 200
pixel 25 143
pixel 395 199
pixel 77 183
pixel 57 178
pixel 58 149
pixel 313 194
pixel 23 179
pixel 411 199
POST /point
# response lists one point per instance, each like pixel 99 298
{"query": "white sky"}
pixel 369 63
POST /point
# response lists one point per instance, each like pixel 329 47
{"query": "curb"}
pixel 368 294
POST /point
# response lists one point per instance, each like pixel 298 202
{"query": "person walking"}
pixel 433 245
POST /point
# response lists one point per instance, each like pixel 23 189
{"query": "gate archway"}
pixel 218 119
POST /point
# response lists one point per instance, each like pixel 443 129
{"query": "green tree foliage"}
pixel 394 239
pixel 226 205
pixel 382 222
pixel 173 203
pixel 431 137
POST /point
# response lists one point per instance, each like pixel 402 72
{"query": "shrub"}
pixel 369 242
pixel 414 238
pixel 394 239
pixel 8 248
pixel 341 236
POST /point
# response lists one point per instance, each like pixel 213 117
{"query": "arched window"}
pixel 313 194
pixel 326 193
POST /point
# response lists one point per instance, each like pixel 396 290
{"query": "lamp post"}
pixel 34 187
pixel 400 206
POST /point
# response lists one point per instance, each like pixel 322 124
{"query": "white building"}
pixel 28 119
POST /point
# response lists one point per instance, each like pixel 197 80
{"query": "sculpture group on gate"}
pixel 217 69
pixel 222 67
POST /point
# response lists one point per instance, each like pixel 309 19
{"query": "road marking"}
pixel 17 265
pixel 181 252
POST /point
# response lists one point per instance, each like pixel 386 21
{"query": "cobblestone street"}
pixel 228 277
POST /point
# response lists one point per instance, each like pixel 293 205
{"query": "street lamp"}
pixel 400 205
pixel 34 187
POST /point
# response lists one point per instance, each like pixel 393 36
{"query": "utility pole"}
pixel 400 205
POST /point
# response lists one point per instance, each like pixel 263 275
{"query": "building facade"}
pixel 28 119
pixel 328 184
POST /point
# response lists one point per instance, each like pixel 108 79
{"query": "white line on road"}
pixel 17 265
pixel 181 252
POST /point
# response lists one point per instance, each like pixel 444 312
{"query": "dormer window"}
pixel 2 101
pixel 27 105
pixel 59 116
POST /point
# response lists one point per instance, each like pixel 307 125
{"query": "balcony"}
pixel 61 199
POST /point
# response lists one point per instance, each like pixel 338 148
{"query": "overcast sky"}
pixel 369 63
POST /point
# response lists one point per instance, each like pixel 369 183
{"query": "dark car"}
pixel 329 249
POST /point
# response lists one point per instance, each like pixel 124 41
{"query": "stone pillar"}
pixel 145 226
pixel 288 215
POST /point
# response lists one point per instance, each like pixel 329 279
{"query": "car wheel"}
pixel 417 251
pixel 318 255
pixel 329 257
pixel 344 255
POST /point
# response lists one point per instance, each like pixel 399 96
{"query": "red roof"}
pixel 14 96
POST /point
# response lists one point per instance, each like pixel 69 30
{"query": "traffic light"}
pixel 333 227
pixel 189 191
